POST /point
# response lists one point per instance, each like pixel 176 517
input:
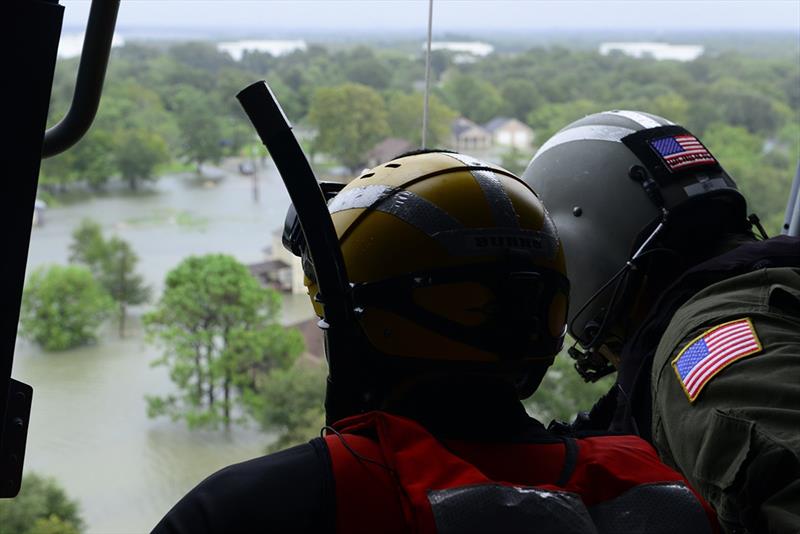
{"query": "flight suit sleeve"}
pixel 738 440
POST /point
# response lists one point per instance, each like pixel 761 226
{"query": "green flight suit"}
pixel 739 441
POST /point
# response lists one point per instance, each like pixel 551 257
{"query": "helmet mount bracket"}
pixel 590 363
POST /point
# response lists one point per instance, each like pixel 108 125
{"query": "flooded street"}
pixel 89 428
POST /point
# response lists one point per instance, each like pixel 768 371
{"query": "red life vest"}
pixel 392 476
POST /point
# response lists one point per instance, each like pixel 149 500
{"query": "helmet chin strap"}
pixel 590 363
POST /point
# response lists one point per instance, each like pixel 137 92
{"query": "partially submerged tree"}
pixel 217 327
pixel 113 263
pixel 88 245
pixel 120 279
pixel 62 306
pixel 292 402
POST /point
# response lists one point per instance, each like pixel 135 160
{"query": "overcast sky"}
pixel 451 15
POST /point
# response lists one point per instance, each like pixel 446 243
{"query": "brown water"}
pixel 88 427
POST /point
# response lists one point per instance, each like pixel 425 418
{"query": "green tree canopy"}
pixel 350 120
pixel 113 263
pixel 217 327
pixel 763 178
pixel 198 115
pixel 91 161
pixel 405 118
pixel 363 67
pixel 520 98
pixel 563 392
pixel 137 153
pixel 42 507
pixel 474 98
pixel 119 277
pixel 292 402
pixel 88 245
pixel 62 307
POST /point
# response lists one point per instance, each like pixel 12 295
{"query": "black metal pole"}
pixel 32 28
pixel 89 83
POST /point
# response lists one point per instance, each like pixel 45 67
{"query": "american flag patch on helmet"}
pixel 708 354
pixel 682 151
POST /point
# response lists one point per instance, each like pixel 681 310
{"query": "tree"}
pixel 42 507
pixel 405 118
pixel 121 281
pixel 113 264
pixel 216 324
pixel 515 160
pixel 91 161
pixel 350 119
pixel 292 402
pixel 62 306
pixel 94 158
pixel 764 179
pixel 198 116
pixel 88 246
pixel 474 98
pixel 547 120
pixel 361 66
pixel 563 392
pixel 137 152
pixel 520 97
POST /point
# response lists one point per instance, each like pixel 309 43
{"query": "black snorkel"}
pixel 347 392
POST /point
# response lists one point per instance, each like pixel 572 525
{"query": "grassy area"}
pixel 169 216
pixel 175 166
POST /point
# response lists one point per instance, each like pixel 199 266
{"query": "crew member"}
pixel 460 300
pixel 701 318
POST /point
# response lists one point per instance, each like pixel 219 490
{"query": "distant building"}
pixel 387 149
pixel 463 51
pixel 71 44
pixel 468 136
pixel 281 269
pixel 312 336
pixel 236 49
pixel 509 132
pixel 659 51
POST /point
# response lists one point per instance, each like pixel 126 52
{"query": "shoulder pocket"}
pixel 721 460
pixel 725 446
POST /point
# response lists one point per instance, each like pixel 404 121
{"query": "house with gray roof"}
pixel 508 132
pixel 468 136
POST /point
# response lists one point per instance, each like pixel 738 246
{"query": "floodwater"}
pixel 89 427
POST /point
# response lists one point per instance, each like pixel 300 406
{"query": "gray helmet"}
pixel 608 180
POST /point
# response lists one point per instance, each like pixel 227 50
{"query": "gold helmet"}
pixel 452 262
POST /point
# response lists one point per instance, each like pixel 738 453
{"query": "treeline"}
pixel 167 106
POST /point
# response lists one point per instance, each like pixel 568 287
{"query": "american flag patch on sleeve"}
pixel 708 354
pixel 682 151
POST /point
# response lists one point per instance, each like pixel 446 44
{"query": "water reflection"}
pixel 89 427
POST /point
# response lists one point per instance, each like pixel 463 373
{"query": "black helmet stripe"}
pixel 403 204
pixel 499 202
